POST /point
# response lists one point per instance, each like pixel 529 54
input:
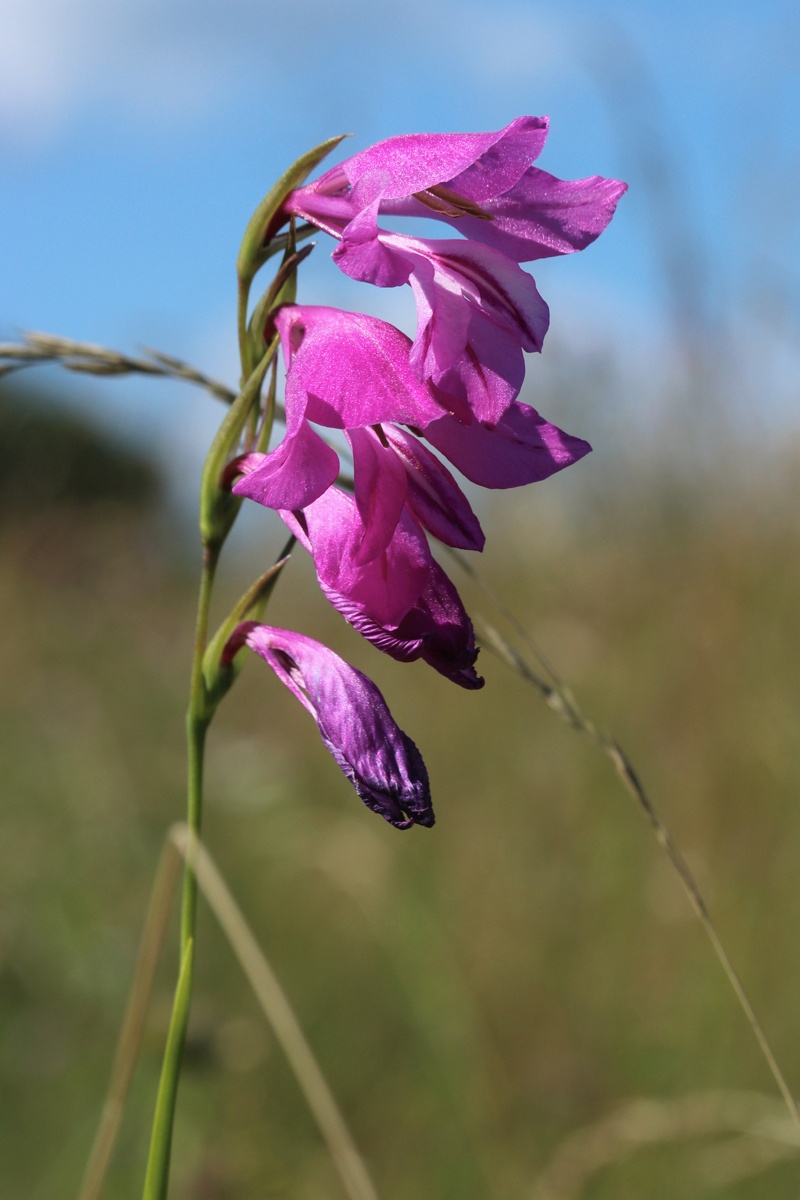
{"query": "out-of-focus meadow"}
pixel 477 993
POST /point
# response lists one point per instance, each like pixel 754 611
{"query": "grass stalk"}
pixel 278 1011
pixel 130 1036
pixel 559 697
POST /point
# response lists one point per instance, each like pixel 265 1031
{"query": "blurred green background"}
pixel 475 993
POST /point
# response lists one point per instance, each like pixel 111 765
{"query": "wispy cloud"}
pixel 162 61
pixel 168 61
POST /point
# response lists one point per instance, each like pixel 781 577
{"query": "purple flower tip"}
pixel 380 760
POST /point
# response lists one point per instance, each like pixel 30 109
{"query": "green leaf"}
pixel 218 508
pixel 217 678
pixel 282 290
pixel 278 244
pixel 252 253
pixel 268 417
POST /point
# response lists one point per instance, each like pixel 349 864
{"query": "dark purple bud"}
pixel 382 763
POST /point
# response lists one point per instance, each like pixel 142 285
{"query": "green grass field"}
pixel 477 993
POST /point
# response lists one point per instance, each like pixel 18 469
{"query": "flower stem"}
pixel 245 354
pixel 198 719
pixel 157 1177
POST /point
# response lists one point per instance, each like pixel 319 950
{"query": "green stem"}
pixel 198 719
pixel 241 321
pixel 197 722
pixel 157 1177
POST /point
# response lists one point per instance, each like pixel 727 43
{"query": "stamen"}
pixel 450 204
pixel 378 429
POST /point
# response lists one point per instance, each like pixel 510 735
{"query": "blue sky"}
pixel 138 135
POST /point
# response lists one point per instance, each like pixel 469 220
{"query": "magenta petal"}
pixel 444 315
pixel 488 377
pixel 388 640
pixel 380 491
pixel 449 639
pixel 402 601
pixel 362 255
pixel 434 496
pixel 389 585
pixel 380 760
pixel 521 448
pixel 367 260
pixel 503 164
pixel 297 471
pixel 351 370
pixel 415 161
pixel 543 216
pixel 385 588
pixel 329 212
pixel 437 629
pixel 486 280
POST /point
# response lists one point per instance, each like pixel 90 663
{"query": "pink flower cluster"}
pixel 455 387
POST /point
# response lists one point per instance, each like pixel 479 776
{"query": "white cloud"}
pixel 160 60
pixel 40 64
pixel 172 61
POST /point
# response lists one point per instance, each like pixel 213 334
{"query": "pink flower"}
pixel 344 371
pixel 519 448
pixel 456 386
pixel 382 763
pixel 481 183
pixel 476 312
pixel 352 372
pixel 401 600
pixel 476 308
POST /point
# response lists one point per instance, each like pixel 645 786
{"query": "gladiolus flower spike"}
pixel 455 387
